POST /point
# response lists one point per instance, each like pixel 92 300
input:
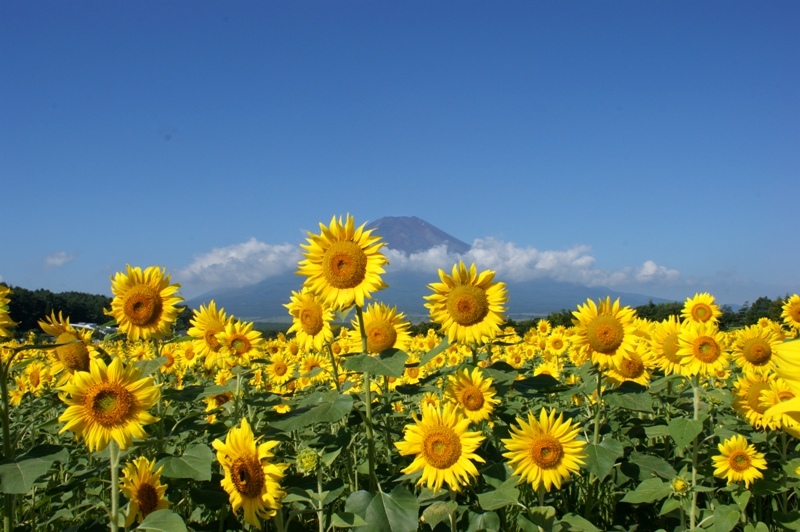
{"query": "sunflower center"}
pixel 211 339
pixel 701 312
pixel 344 264
pixel 33 378
pixel 441 447
pixel 148 498
pixel 311 319
pixel 240 345
pixel 557 344
pixel 785 395
pixel 754 396
pixel 631 367
pixel 75 357
pixel 794 312
pixel 279 369
pixel 412 372
pixel 467 304
pixel 143 305
pixel 757 351
pixel 705 349
pixel 109 404
pixel 739 461
pixel 546 451
pixel 472 398
pixel 605 334
pixel 247 476
pixel 380 336
pixel 670 347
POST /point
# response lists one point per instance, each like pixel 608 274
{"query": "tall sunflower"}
pixel 791 311
pixel 108 402
pixel 343 264
pixel 311 320
pixel 238 343
pixel 206 322
pixel 753 349
pixel 141 484
pixel 78 349
pixel 145 303
pixel 701 309
pixel 442 448
pixel 607 329
pixel 472 394
pixel 5 319
pixel 702 349
pixel 252 480
pixel 546 451
pixel 738 461
pixel 384 328
pixel 468 305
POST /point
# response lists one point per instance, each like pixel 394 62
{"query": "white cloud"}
pixel 59 259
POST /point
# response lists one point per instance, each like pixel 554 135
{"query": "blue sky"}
pixel 647 146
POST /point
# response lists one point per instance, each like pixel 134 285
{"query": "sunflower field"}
pixel 351 422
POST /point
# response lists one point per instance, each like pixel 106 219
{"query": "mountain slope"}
pixel 412 235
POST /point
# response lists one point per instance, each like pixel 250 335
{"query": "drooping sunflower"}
pixel 664 345
pixel 5 319
pixel 238 343
pixel 701 309
pixel 252 480
pixel 78 349
pixel 141 484
pixel 145 303
pixel 546 451
pixel 343 264
pixel 473 394
pixel 753 349
pixel 443 448
pixel 384 328
pixel 311 320
pixel 468 305
pixel 738 461
pixel 206 322
pixel 108 402
pixel 702 348
pixel 791 311
pixel 607 329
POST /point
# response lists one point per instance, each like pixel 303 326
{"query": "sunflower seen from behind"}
pixel 343 264
pixel 738 461
pixel 141 485
pixel 108 402
pixel 252 480
pixel 472 393
pixel 145 303
pixel 544 452
pixel 468 305
pixel 442 448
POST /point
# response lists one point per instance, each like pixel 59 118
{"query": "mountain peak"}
pixel 413 235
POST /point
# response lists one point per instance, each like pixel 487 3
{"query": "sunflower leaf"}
pixel 487 521
pixel 439 512
pixel 652 489
pixel 504 495
pixel 391 363
pixel 18 474
pixel 575 522
pixel 395 512
pixel 427 357
pixel 602 457
pixel 325 411
pixel 684 430
pixel 194 463
pixel 725 518
pixel 347 520
pixel 163 521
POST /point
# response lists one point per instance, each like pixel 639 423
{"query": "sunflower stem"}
pixel 320 507
pixel 333 365
pixel 598 410
pixel 695 451
pixel 452 515
pixel 8 450
pixel 113 453
pixel 373 479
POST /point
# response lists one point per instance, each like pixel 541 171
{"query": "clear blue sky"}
pixel 650 146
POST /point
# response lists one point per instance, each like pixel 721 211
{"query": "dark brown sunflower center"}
pixel 240 345
pixel 670 346
pixel 557 344
pixel 785 395
pixel 143 305
pixel 311 319
pixel 757 351
pixel 605 334
pixel 412 372
pixel 109 404
pixel 739 461
pixel 705 349
pixel 631 367
pixel 701 312
pixel 472 398
pixel 148 498
pixel 279 368
pixel 381 335
pixel 344 264
pixel 546 451
pixel 74 357
pixel 441 447
pixel 211 339
pixel 467 304
pixel 247 476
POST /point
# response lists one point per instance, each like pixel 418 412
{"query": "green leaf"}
pixel 543 516
pixel 391 363
pixel 396 512
pixel 636 402
pixel 163 521
pixel 741 498
pixel 148 367
pixel 725 518
pixel 19 474
pixel 670 505
pixel 684 430
pixel 504 495
pixel 653 464
pixel 427 357
pixel 327 411
pixel 347 520
pixel 602 457
pixel 652 489
pixel 657 431
pixel 759 527
pixel 439 512
pixel 576 522
pixel 789 520
pixel 488 521
pixel 194 463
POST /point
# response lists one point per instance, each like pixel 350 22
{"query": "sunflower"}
pixel 279 369
pixel 546 451
pixel 607 329
pixel 108 402
pixel 472 394
pixel 144 304
pixel 778 393
pixel 205 324
pixel 543 327
pixel 701 309
pixel 343 264
pixel 634 366
pixel 664 345
pixel 738 461
pixel 791 311
pixel 701 347
pixel 753 349
pixel 5 320
pixel 384 328
pixel 251 479
pixel 311 320
pixel 443 448
pixel 315 368
pixel 78 349
pixel 469 306
pixel 141 484
pixel 238 343
pixel 748 401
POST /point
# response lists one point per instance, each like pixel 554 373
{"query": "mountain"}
pixel 264 301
